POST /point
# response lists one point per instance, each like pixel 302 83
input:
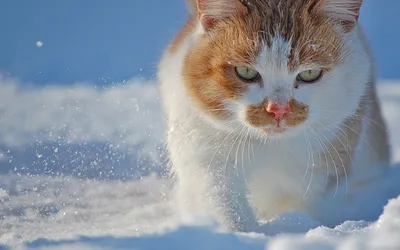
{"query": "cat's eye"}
pixel 309 76
pixel 246 74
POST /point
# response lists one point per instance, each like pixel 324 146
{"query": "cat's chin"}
pixel 269 131
pixel 279 132
pixel 273 131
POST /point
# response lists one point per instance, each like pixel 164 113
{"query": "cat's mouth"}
pixel 271 131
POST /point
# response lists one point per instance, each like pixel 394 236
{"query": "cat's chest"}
pixel 281 158
pixel 256 156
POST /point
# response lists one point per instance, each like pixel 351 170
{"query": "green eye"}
pixel 309 76
pixel 246 74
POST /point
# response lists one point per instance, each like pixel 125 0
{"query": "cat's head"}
pixel 277 67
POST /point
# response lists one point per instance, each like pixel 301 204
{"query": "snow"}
pixel 83 168
pixel 39 44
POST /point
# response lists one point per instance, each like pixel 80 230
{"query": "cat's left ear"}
pixel 211 12
pixel 345 12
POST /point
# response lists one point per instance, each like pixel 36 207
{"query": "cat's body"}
pixel 246 137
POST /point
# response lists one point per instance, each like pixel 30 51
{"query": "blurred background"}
pixel 104 41
pixel 100 41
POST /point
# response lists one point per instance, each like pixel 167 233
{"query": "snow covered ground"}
pixel 81 168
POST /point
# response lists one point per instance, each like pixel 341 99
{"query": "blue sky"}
pixel 111 41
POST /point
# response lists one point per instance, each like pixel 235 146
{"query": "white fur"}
pixel 272 66
pixel 216 164
pixel 253 95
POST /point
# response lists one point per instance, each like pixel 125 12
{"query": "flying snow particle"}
pixel 3 194
pixel 2 156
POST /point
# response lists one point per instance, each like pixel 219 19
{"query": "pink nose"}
pixel 278 110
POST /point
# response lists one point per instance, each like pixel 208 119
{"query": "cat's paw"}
pixel 294 222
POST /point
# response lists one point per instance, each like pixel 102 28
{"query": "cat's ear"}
pixel 345 12
pixel 212 11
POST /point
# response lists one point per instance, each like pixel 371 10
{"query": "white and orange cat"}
pixel 270 105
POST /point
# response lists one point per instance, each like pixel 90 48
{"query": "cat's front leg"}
pixel 238 209
pixel 201 191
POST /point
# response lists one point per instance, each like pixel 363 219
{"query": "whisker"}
pixel 355 132
pixel 243 149
pixel 230 150
pixel 363 117
pixel 331 156
pixel 310 157
pixel 250 135
pixel 340 158
pixel 237 151
pixel 219 146
pixel 337 137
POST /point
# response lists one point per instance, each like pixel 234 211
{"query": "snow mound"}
pixel 351 235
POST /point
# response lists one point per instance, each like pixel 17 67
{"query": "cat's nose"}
pixel 278 110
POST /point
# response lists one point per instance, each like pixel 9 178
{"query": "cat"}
pixel 269 105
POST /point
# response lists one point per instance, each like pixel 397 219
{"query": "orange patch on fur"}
pixel 209 72
pixel 257 116
pixel 298 114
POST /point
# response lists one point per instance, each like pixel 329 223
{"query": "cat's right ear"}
pixel 211 11
pixel 345 12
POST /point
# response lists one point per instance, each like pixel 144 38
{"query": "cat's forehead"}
pixel 289 19
pixel 307 37
pixel 278 10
